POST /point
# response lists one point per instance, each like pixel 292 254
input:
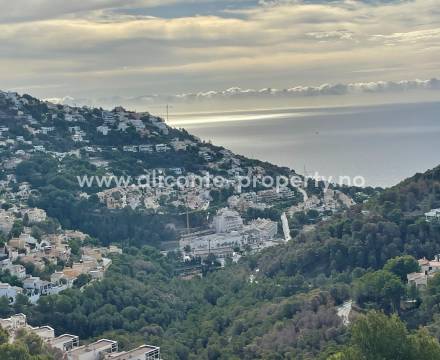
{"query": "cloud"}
pixel 96 48
pixel 322 90
pixel 300 91
pixel 68 100
pixel 331 35
pixel 428 35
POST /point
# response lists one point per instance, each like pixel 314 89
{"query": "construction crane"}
pixel 188 212
pixel 168 109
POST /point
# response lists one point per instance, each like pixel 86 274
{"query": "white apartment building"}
pixel 270 195
pixel 69 344
pixel 266 229
pixel 44 332
pixel 227 220
pixel 95 351
pixel 130 148
pixel 13 323
pixel 65 342
pixel 144 352
pixel 146 148
pixel 161 148
pixel 219 244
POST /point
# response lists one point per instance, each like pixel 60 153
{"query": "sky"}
pixel 202 54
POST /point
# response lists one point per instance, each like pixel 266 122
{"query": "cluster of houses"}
pixel 69 345
pixel 118 120
pixel 259 200
pixel 92 263
pixel 16 103
pixel 50 248
pixel 330 202
pixel 428 268
pixel 22 190
pixel 228 235
pixel 123 119
pixel 216 161
pixel 175 144
pixel 153 197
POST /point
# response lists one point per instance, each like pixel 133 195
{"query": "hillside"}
pixel 367 235
pixel 276 302
pixel 88 168
pixel 279 304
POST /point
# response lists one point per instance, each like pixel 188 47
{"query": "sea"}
pixel 379 145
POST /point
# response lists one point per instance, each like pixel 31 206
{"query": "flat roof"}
pixel 144 349
pixel 43 328
pixel 98 345
pixel 64 338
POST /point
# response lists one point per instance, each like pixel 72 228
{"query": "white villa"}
pixel 10 292
pixel 432 215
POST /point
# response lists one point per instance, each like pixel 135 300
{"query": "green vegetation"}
pixel 366 236
pixel 279 304
pixel 401 266
pixel 26 346
pixel 6 277
pixel 381 288
pixel 141 301
pixel 288 310
pixel 376 336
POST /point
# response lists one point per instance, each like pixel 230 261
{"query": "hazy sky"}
pixel 132 50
